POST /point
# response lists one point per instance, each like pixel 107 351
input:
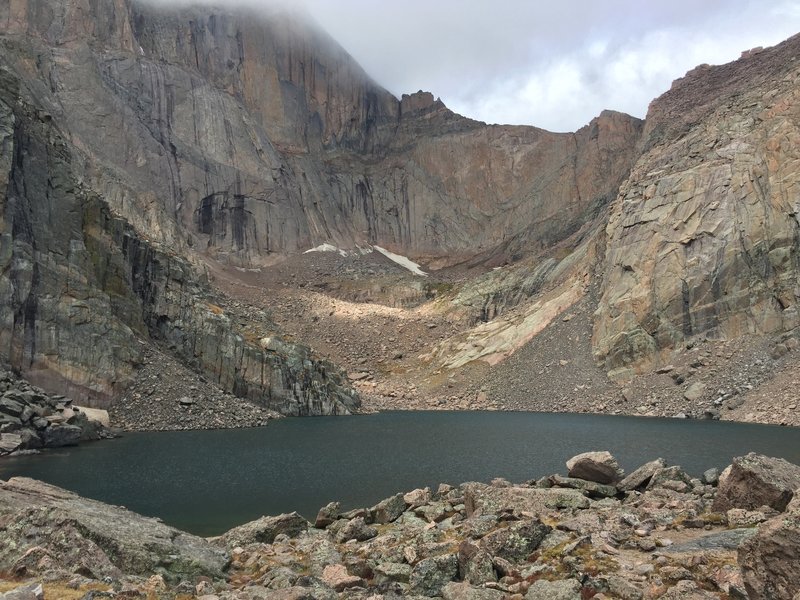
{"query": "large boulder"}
pixel 517 541
pixel 388 510
pixel 641 476
pixel 755 480
pixel 61 435
pixel 464 591
pixel 475 564
pixel 485 499
pixel 429 576
pixel 264 530
pixel 600 467
pixel 41 524
pixel 770 560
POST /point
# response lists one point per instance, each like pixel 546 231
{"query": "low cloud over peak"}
pixel 554 66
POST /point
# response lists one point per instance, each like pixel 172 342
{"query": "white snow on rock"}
pixel 326 248
pixel 402 261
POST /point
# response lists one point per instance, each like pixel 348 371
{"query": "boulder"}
pixel 516 542
pixel 418 497
pixel 485 499
pixel 430 575
pixel 388 510
pixel 31 591
pixel 755 480
pixel 9 442
pixel 392 571
pixel 356 529
pixel 264 530
pixel 337 577
pixel 464 591
pixel 769 560
pixel 641 476
pixel 475 564
pixel 57 436
pixel 327 515
pixel 600 467
pixel 594 490
pixel 95 414
pixel 673 478
pixel 568 589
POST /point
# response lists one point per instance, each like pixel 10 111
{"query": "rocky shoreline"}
pixel 31 419
pixel 592 533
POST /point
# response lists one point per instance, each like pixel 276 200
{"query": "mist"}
pixel 554 65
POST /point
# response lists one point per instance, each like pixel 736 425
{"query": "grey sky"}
pixel 553 64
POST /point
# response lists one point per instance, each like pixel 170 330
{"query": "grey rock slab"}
pixel 37 515
pixel 464 591
pixel 641 476
pixel 264 530
pixel 568 589
pixel 723 540
pixel 389 509
pixel 429 576
pixel 492 500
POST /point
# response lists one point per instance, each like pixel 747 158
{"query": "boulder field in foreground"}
pixel 654 534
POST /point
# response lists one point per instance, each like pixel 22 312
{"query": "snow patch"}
pixel 402 261
pixel 326 248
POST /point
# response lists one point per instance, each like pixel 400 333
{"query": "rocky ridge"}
pixel 595 533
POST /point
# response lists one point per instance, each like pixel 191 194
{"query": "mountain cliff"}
pixel 148 153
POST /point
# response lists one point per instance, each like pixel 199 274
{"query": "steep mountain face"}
pixel 250 135
pixel 80 288
pixel 128 130
pixel 704 236
pixel 142 145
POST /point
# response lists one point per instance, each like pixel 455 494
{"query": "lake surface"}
pixel 208 481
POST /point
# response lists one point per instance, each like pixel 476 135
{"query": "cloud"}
pixel 554 65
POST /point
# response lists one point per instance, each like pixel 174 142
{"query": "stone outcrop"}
pixel 48 528
pixel 703 237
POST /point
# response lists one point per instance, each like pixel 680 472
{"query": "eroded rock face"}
pixel 703 237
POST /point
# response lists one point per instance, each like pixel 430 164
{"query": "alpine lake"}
pixel 206 482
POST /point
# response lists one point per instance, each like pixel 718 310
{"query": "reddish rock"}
pixel 754 481
pixel 770 559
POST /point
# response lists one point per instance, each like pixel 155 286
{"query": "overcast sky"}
pixel 555 63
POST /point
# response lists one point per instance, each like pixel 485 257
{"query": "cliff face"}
pixel 250 134
pixel 138 142
pixel 81 290
pixel 127 129
pixel 704 237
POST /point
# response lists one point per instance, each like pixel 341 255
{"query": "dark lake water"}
pixel 208 481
